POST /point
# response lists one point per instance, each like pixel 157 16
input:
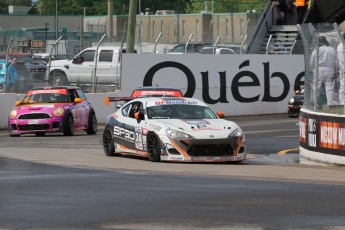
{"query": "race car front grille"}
pixel 210 150
pixel 33 116
pixel 33 127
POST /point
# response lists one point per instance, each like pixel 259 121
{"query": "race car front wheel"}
pixel 153 147
pixel 108 142
pixel 68 126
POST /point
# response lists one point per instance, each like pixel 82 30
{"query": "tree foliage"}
pixel 121 7
pixel 100 7
pixel 226 6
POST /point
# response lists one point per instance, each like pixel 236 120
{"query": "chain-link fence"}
pixel 324 66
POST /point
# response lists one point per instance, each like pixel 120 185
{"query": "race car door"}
pixel 131 131
pixel 77 109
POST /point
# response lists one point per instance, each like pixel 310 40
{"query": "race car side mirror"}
pixel 17 103
pixel 78 100
pixel 139 116
pixel 106 101
pixel 220 114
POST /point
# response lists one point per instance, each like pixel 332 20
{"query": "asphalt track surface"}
pixel 272 147
pixel 58 182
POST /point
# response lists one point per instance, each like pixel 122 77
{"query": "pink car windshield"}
pixel 46 96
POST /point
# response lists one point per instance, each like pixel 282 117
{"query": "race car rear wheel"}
pixel 108 142
pixel 153 147
pixel 68 126
pixel 92 125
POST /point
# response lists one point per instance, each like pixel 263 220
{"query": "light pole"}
pixel 47 30
pixel 212 22
pixel 56 20
pixel 140 24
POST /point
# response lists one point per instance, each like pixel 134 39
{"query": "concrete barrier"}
pixel 322 138
pixel 7 102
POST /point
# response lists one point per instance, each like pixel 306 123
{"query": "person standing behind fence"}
pixel 301 8
pixel 12 81
pixel 326 69
pixel 340 51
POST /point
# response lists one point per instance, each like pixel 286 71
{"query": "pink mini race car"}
pixel 53 109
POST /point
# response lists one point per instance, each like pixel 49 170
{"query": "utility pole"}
pixel 82 31
pixel 133 4
pixel 110 20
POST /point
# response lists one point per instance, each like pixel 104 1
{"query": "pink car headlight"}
pixel 13 113
pixel 58 111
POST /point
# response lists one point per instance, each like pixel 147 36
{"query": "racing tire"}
pixel 293 115
pixel 68 129
pixel 108 142
pixel 92 125
pixel 40 134
pixel 58 78
pixel 153 147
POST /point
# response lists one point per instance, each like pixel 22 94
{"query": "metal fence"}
pixel 324 66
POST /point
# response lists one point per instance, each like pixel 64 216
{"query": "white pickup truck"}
pixel 80 70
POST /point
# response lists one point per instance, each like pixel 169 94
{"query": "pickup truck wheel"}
pixel 58 78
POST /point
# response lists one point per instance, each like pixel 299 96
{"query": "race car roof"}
pixel 147 91
pixel 156 91
pixel 156 101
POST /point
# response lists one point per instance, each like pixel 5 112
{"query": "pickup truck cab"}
pixel 79 70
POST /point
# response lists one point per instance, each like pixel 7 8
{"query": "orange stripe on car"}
pixel 179 148
pixel 138 152
pixel 238 148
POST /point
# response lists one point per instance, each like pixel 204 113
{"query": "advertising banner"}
pixel 323 134
pixel 234 84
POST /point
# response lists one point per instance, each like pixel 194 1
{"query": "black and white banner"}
pixel 233 84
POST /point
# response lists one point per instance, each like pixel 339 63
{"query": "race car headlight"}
pixel 292 100
pixel 13 113
pixel 236 133
pixel 58 111
pixel 176 134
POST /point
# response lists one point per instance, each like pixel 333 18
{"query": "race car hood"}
pixel 39 108
pixel 196 127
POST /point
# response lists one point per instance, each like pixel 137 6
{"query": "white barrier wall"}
pixel 7 102
pixel 234 84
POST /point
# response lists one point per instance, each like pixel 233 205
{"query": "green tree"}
pixel 100 7
pixel 226 6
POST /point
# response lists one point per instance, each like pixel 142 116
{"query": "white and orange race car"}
pixel 173 129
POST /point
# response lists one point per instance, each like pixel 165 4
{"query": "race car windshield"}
pixel 45 98
pixel 180 112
